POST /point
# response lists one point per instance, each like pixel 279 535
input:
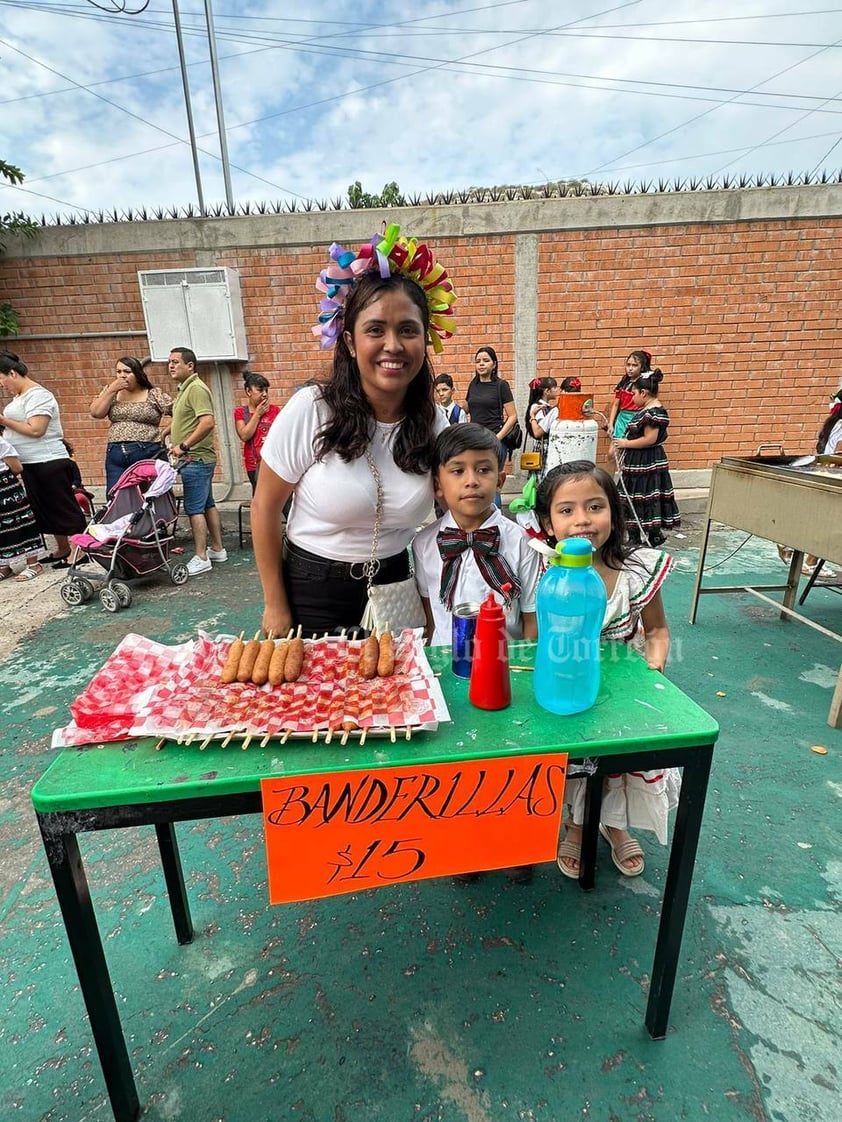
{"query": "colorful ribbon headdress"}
pixel 385 254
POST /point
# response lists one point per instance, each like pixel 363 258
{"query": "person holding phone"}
pixel 253 421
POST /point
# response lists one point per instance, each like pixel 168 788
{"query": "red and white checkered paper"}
pixel 149 689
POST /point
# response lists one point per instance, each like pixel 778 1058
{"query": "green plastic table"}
pixel 641 721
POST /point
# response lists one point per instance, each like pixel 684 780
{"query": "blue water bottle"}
pixel 571 607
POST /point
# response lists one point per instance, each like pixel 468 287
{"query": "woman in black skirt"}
pixel 33 428
pixel 645 482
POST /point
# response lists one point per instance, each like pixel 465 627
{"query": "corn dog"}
pixel 260 673
pixel 250 653
pixel 369 656
pixel 295 659
pixel 232 662
pixel 386 659
pixel 276 665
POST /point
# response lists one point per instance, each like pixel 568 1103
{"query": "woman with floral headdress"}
pixel 354 451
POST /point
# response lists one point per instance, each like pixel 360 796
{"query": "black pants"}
pixel 328 596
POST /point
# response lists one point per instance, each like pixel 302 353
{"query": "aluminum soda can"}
pixel 464 630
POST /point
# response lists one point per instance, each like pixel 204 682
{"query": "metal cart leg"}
pixel 97 990
pixel 174 877
pixel 685 842
pixel 694 603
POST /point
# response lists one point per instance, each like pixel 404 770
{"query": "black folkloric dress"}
pixel 646 477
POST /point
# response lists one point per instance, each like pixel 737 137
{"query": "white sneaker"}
pixel 197 565
pixel 218 554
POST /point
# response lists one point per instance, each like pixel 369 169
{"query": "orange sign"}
pixel 340 832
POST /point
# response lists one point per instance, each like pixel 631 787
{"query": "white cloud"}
pixel 313 104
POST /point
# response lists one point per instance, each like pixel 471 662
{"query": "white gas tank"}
pixel 571 440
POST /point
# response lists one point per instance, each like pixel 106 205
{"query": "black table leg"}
pixel 174 877
pixel 590 831
pixel 86 945
pixel 685 841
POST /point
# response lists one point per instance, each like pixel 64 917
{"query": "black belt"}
pixel 386 570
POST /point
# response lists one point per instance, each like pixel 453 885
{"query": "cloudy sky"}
pixel 433 94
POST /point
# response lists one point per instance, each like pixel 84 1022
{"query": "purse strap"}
pixel 372 566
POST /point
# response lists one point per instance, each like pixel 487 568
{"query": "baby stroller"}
pixel 129 538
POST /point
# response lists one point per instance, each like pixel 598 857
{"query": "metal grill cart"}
pixel 793 500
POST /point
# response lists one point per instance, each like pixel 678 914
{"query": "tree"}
pixel 12 223
pixel 389 196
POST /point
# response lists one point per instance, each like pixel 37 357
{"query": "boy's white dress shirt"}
pixel 470 585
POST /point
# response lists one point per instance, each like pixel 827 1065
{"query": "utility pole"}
pixel 220 118
pixel 188 106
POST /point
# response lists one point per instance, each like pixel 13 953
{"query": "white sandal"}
pixel 29 573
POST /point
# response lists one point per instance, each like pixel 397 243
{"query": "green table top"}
pixel 636 708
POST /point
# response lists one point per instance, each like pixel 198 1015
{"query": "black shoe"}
pixel 466 878
pixel 657 539
pixel 519 874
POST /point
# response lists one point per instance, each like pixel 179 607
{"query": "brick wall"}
pixel 742 315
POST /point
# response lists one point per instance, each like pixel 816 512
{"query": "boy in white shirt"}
pixel 473 548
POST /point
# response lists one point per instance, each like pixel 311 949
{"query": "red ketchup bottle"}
pixel 491 684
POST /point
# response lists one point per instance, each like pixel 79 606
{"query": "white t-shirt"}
pixel 6 449
pixel 335 503
pixel 470 585
pixel 36 402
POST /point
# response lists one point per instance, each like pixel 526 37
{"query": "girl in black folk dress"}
pixel 19 536
pixel 645 482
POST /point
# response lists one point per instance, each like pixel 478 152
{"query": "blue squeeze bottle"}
pixel 570 604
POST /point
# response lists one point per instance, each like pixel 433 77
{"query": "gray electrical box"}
pixel 197 308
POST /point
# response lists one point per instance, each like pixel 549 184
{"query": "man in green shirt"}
pixel 192 442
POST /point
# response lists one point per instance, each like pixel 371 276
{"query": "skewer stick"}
pixel 228 739
pixel 329 736
pixel 315 736
pixel 246 741
pixel 265 740
pixel 392 734
pixel 160 744
pixel 285 736
pixel 362 737
pixel 190 738
pixel 206 742
pixel 346 733
pixel 409 732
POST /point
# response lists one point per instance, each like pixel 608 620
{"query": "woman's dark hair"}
pixel 254 381
pixel 650 381
pixel 140 375
pixel 457 439
pixel 644 358
pixel 615 552
pixel 350 428
pixel 11 364
pixel 492 354
pixel 827 427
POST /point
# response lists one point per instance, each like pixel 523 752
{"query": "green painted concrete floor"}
pixel 435 1001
